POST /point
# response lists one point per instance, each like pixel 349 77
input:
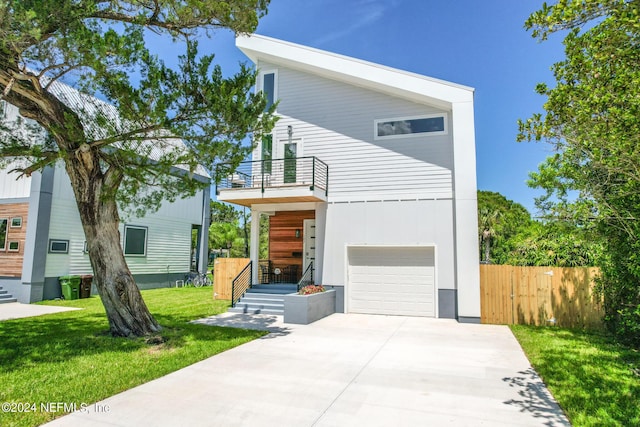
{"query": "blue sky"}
pixel 481 44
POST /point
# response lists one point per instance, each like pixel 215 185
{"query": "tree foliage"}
pixel 499 219
pixel 160 121
pixel 556 243
pixel 507 232
pixel 592 119
pixel 223 212
pixel 227 231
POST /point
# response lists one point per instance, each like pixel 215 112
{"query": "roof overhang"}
pixel 392 81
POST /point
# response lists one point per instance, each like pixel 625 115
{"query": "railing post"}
pixel 313 173
pixel 233 292
pixel 326 184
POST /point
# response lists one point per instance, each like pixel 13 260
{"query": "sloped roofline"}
pixel 399 83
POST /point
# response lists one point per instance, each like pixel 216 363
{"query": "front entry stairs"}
pixel 6 297
pixel 264 299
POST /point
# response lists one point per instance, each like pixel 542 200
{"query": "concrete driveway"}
pixel 346 370
pixel 16 310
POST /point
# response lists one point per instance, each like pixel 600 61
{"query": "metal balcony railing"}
pixel 263 174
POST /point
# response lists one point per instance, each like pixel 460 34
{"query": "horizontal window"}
pixel 135 240
pixel 58 246
pixel 411 126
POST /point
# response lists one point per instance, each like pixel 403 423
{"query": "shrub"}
pixel 311 289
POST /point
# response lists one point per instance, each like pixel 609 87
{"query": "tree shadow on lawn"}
pixel 590 376
pixel 60 337
pixel 536 399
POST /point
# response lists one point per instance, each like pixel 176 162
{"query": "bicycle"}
pixel 197 279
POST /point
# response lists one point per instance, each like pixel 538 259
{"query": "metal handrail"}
pixel 241 283
pixel 299 171
pixel 307 277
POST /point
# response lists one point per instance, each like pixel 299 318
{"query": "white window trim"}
pixel 124 240
pixel 411 135
pixel 16 218
pixel 51 241
pixel 13 250
pixel 299 141
pixel 260 83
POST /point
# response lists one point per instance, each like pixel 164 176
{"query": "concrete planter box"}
pixel 305 309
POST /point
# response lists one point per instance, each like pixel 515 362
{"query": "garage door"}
pixel 392 280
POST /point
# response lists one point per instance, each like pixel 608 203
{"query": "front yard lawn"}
pixel 595 381
pixel 70 358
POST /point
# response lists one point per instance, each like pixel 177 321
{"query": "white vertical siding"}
pixel 336 122
pixel 12 188
pixel 168 238
pixel 406 223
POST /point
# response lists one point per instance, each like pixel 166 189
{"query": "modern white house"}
pixel 41 236
pixel 369 181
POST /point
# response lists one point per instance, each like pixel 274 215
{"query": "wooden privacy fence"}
pixel 224 271
pixel 539 296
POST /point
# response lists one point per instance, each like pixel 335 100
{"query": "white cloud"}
pixel 362 14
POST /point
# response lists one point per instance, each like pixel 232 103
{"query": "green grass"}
pixel 595 381
pixel 70 357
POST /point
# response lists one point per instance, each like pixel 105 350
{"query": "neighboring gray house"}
pixel 41 236
pixel 369 177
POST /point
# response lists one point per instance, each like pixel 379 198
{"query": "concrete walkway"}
pixel 16 310
pixel 345 370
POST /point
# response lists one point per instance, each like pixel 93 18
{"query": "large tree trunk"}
pixel 127 313
pixel 95 183
pixel 487 247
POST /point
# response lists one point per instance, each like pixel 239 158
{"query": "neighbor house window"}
pixel 58 246
pixel 14 246
pixel 16 222
pixel 267 153
pixel 3 233
pixel 411 126
pixel 269 87
pixel 135 240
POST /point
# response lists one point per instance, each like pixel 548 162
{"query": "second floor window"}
pixel 269 88
pixel 435 124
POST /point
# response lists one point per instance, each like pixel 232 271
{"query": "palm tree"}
pixel 488 220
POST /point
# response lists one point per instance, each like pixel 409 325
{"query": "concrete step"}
pixel 257 304
pixel 3 292
pixel 255 310
pixel 283 288
pixel 6 298
pixel 262 299
pixel 269 291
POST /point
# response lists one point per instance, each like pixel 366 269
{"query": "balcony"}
pixel 299 179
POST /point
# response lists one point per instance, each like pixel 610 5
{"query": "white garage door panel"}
pixel 392 280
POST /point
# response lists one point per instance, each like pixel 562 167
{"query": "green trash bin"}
pixel 70 286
